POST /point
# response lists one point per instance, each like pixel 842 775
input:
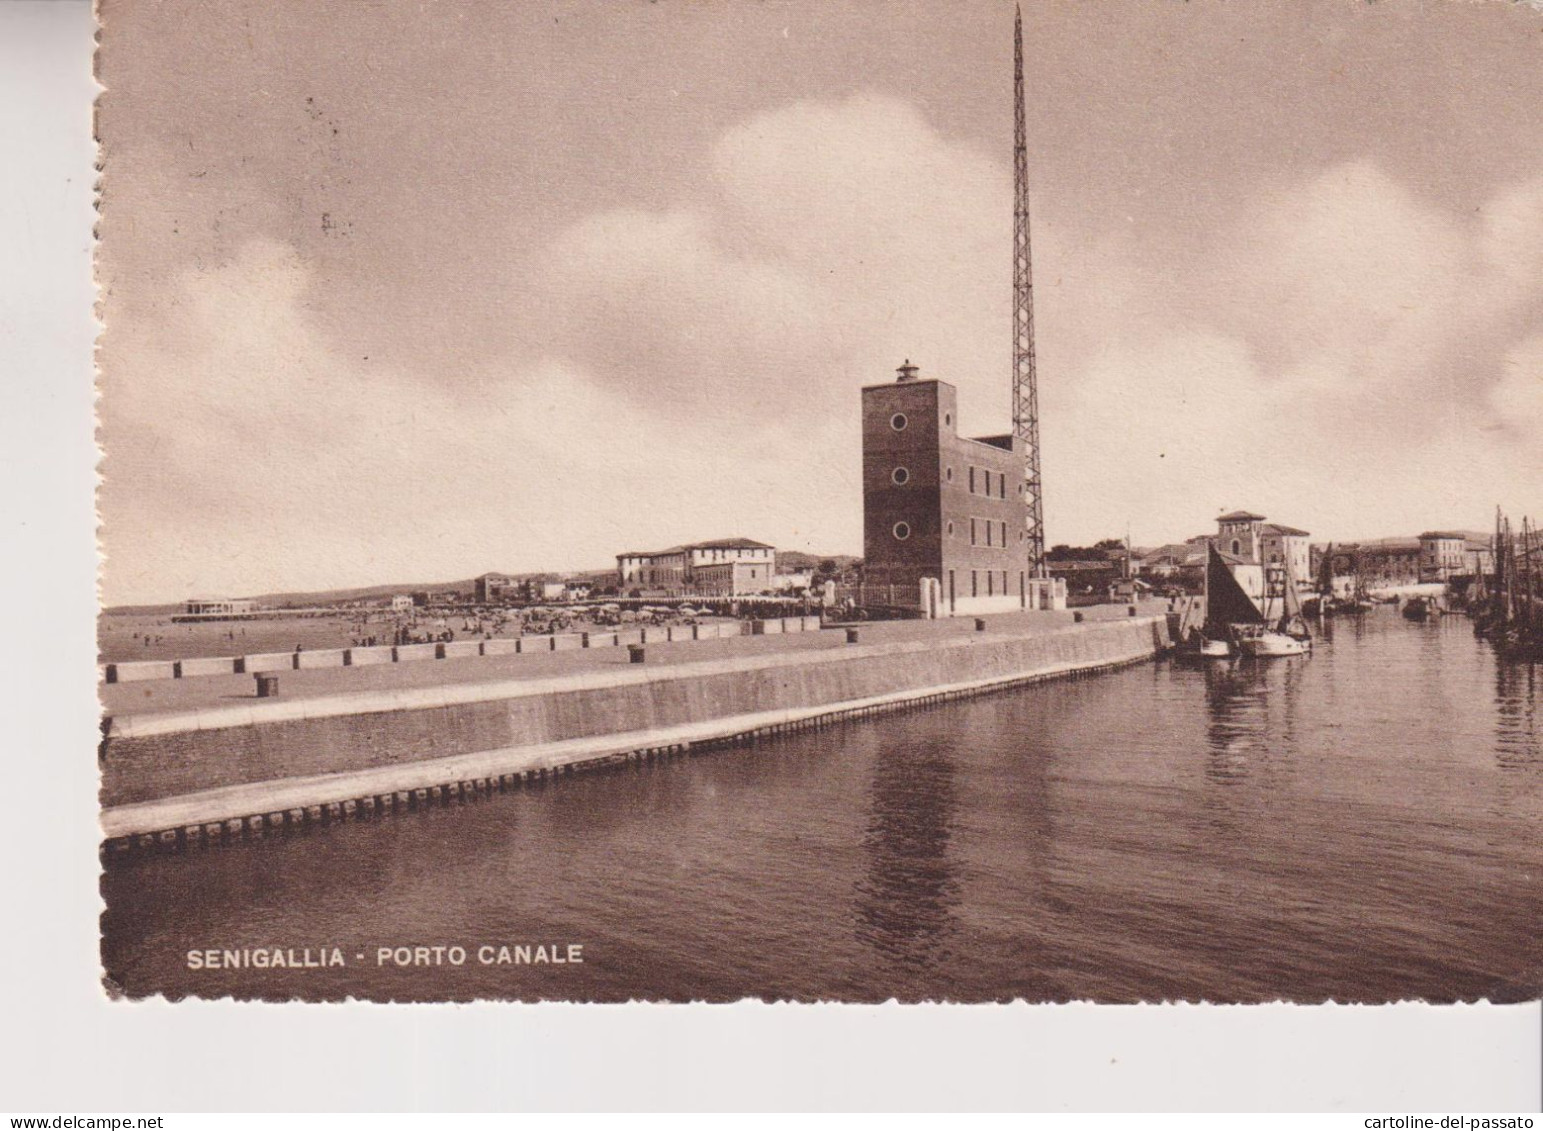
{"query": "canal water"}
pixel 1365 824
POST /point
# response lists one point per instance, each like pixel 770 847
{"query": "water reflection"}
pixel 1253 710
pixel 1235 718
pixel 1517 742
pixel 907 893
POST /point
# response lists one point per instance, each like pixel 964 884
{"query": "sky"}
pixel 412 291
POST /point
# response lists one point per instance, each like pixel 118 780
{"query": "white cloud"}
pixel 1513 234
pixel 1518 396
pixel 694 371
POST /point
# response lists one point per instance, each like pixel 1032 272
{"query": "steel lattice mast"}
pixel 1025 382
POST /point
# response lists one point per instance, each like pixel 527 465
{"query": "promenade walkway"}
pixel 155 696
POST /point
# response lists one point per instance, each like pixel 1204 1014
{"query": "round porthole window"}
pixel 901 476
pixel 948 418
pixel 898 422
pixel 902 531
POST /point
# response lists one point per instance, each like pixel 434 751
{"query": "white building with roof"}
pixel 1253 541
pixel 687 566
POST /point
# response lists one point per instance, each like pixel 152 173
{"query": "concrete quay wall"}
pixel 236 756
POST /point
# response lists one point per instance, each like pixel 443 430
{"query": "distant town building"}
pixel 489 589
pixel 1387 563
pixel 1435 556
pixel 1252 540
pixel 1260 552
pixel 1181 565
pixel 1256 551
pixel 1445 555
pixel 1175 562
pixel 938 505
pixel 401 602
pixel 700 567
pixel 731 579
pixel 220 606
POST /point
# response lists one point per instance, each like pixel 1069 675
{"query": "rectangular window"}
pixel 988 532
pixel 972 536
pixel 972 480
pixel 1004 545
pixel 974 585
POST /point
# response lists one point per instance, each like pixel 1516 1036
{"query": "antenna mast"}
pixel 1025 382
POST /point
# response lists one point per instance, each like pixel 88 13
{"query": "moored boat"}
pixel 1287 635
pixel 1213 649
pixel 1228 609
pixel 1267 644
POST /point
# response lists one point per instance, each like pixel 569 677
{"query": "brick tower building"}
pixel 939 505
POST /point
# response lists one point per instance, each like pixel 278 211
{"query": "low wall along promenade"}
pixel 192 775
pixel 137 671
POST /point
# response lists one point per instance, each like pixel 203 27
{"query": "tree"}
pixel 1100 552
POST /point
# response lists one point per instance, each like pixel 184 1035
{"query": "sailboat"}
pixel 1322 604
pixel 1229 611
pixel 1289 635
pixel 1359 600
pixel 1330 604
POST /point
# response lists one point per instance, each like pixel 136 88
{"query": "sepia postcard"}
pixel 821 501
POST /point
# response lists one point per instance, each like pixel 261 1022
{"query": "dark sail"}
pixel 1226 602
pixel 1326 573
pixel 1291 601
